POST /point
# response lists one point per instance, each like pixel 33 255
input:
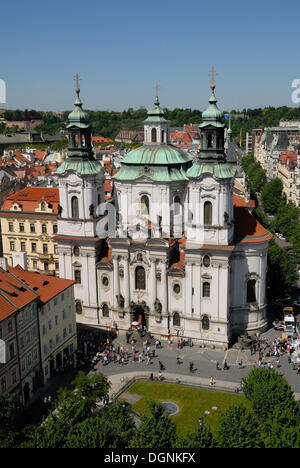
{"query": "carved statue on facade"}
pixel 120 300
pixel 92 210
pixel 157 306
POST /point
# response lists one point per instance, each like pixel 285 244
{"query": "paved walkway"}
pixel 204 360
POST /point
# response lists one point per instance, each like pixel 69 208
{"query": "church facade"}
pixel 177 251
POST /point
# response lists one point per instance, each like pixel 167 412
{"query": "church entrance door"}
pixel 140 316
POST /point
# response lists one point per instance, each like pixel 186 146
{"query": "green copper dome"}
pixel 80 167
pixel 78 117
pixel 157 154
pixel 158 162
pixel 219 171
pixel 157 114
pixel 212 115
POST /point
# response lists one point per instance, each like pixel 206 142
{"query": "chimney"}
pixel 3 263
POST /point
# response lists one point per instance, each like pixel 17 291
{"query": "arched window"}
pixel 251 295
pixel 78 307
pixel 176 320
pixel 43 206
pixel 76 251
pixel 153 135
pixel 207 213
pixel 210 140
pixel 206 261
pixel 75 207
pixel 162 136
pixel 77 276
pixel 140 278
pixel 205 323
pixel 144 205
pixel 206 289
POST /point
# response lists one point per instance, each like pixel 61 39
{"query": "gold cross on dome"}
pixel 77 79
pixel 212 74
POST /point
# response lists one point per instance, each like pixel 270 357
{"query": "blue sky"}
pixel 122 48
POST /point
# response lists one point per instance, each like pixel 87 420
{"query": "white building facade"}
pixel 183 260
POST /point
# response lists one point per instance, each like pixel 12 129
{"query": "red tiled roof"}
pixel 39 154
pixel 242 202
pixel 30 197
pixel 247 228
pixel 13 295
pixel 289 158
pixel 45 286
pixel 101 139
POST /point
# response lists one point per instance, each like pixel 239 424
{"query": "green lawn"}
pixel 192 402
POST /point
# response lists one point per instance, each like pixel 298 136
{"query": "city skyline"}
pixel 120 51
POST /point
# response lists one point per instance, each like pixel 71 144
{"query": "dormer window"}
pixel 43 206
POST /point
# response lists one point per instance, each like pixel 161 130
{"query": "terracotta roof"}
pixel 47 287
pixel 39 154
pixel 30 197
pixel 242 202
pixel 247 228
pixel 13 294
pixel 101 139
pixel 289 158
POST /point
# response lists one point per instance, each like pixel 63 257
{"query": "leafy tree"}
pixel 271 195
pixel 8 411
pixel 71 408
pixel 267 390
pixel 238 427
pixel 111 428
pixel 200 438
pixel 282 267
pixel 92 388
pixel 156 431
pixel 282 429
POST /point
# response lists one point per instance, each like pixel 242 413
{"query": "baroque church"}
pixel 176 250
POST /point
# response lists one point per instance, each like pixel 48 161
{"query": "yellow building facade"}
pixel 28 227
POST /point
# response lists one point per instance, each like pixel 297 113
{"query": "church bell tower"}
pixel 81 193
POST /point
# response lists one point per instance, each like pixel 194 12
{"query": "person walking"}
pixel 191 366
pixel 211 381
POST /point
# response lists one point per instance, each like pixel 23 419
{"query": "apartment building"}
pixel 288 173
pixel 57 319
pixel 37 329
pixel 28 224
